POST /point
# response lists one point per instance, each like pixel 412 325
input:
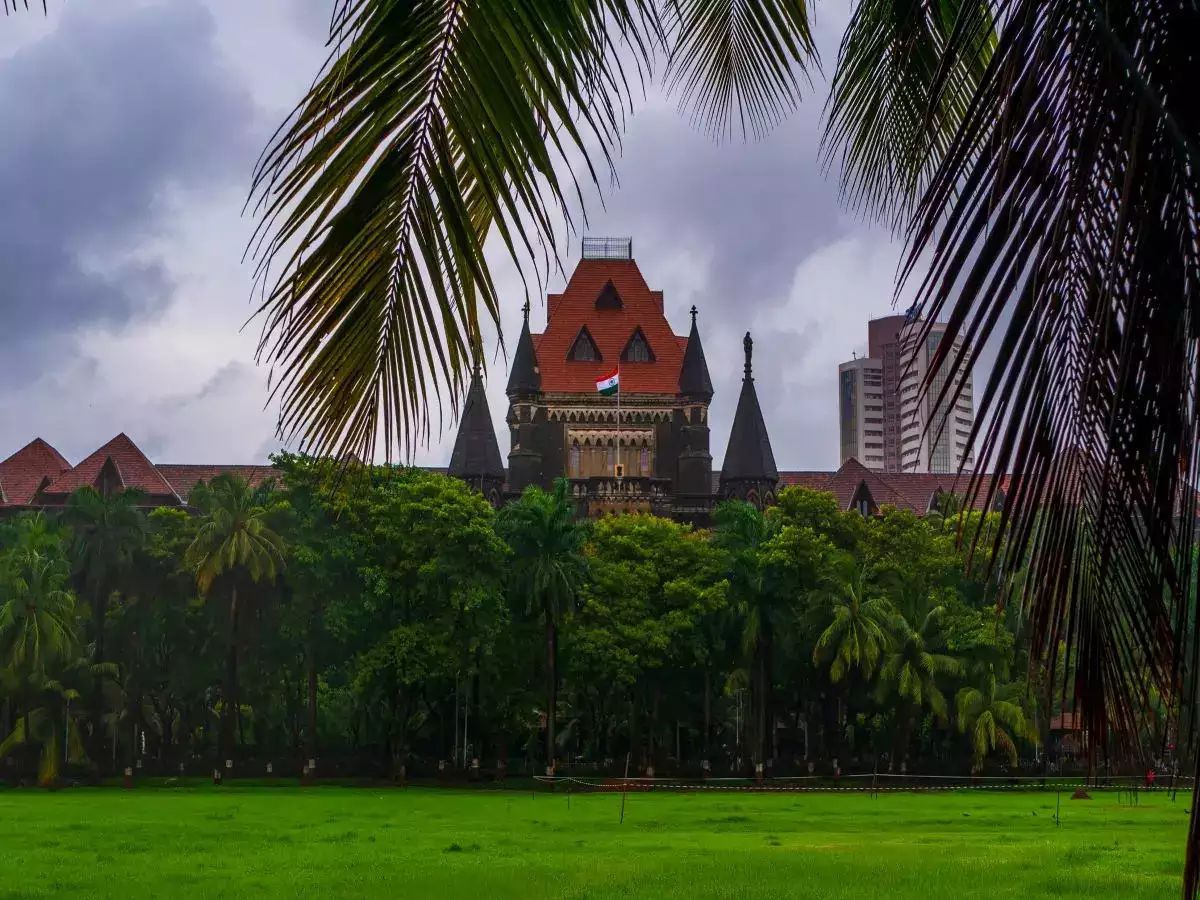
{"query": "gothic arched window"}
pixel 573 466
pixel 584 349
pixel 637 349
pixel 644 462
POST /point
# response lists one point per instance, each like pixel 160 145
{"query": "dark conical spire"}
pixel 476 453
pixel 524 377
pixel 749 456
pixel 693 376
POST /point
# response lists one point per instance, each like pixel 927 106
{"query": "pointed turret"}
pixel 524 387
pixel 524 377
pixel 476 458
pixel 749 471
pixel 695 392
pixel 694 381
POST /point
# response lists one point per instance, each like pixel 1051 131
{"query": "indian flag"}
pixel 610 383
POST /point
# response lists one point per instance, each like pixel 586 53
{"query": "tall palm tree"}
pixel 106 531
pixel 49 721
pixel 549 569
pixel 235 540
pixel 992 717
pixel 742 530
pixel 857 633
pixel 37 618
pixel 914 669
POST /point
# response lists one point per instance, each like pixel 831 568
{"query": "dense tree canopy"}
pixel 388 620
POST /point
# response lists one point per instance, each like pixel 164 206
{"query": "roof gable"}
pixel 23 473
pixel 120 456
pixel 577 307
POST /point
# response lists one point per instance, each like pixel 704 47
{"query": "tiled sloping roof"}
pixel 611 329
pixel 23 472
pixel 135 469
pixel 845 482
pixel 184 478
pixel 814 481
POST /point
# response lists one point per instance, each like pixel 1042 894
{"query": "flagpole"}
pixel 618 412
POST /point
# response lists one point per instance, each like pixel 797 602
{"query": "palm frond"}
pixel 12 6
pixel 738 60
pixel 1062 221
pixel 906 73
pixel 432 123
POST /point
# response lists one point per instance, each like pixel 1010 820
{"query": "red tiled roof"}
pixel 23 473
pixel 611 329
pixel 1067 721
pixel 184 478
pixel 814 481
pixel 135 469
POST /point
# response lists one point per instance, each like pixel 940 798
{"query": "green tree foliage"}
pixel 377 619
pixel 548 571
pixel 234 540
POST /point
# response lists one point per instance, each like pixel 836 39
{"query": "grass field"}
pixel 343 842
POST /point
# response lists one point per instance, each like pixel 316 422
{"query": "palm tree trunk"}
pixel 310 739
pixel 707 712
pixel 229 694
pixel 551 686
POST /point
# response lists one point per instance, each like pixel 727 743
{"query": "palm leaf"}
pixel 737 60
pixel 432 126
pixel 1062 224
pixel 906 72
pixel 12 6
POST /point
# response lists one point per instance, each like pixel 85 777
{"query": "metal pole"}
pixel 625 786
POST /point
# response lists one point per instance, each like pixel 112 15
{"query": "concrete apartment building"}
pixel 885 422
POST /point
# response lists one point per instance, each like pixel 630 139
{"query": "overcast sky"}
pixel 130 130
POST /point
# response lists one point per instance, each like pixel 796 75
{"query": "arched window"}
pixel 637 349
pixel 584 349
pixel 611 461
pixel 573 467
pixel 644 462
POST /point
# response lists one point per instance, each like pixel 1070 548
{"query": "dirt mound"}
pixel 1081 794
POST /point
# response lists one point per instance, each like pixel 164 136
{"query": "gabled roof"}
pixel 476 452
pixel 748 455
pixel 24 472
pixel 132 467
pixel 694 380
pixel 183 479
pixel 525 377
pixel 610 328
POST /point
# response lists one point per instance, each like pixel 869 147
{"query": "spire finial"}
pixel 477 365
pixel 693 315
pixel 525 310
pixel 748 345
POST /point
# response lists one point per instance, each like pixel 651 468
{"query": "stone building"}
pixel 645 448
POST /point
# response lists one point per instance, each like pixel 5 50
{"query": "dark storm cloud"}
pixel 102 119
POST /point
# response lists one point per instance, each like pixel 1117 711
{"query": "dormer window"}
pixel 638 349
pixel 584 349
pixel 608 298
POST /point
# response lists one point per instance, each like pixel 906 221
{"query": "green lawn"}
pixel 348 842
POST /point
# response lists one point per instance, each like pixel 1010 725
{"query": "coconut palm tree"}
pixel 235 541
pixel 992 718
pixel 106 531
pixel 914 670
pixel 37 617
pixel 548 570
pixel 742 531
pixel 49 721
pixel 857 634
